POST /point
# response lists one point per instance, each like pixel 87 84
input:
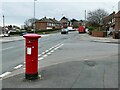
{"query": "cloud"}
pixel 61 0
pixel 18 12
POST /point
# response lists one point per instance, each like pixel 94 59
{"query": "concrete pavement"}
pixel 102 39
pixel 66 68
pixel 74 74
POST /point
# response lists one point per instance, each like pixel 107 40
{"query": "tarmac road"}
pixel 13 53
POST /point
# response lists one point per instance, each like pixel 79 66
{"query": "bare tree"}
pixel 29 23
pixel 96 16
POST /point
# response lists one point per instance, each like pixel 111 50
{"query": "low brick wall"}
pixel 116 36
pixel 98 33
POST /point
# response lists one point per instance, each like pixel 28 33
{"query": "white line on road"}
pixel 19 66
pixel 45 55
pixel 46 51
pixel 4 74
pixel 49 53
pixel 40 58
pixel 86 59
pixel 52 51
pixel 39 55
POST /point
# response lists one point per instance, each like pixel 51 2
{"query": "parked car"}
pixel 87 30
pixel 70 29
pixel 6 35
pixel 21 34
pixel 64 31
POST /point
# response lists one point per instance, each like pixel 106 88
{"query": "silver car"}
pixel 64 31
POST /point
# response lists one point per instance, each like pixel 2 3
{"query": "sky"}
pixel 17 11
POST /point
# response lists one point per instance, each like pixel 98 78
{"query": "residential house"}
pixel 112 21
pixel 74 23
pixel 109 22
pixel 46 23
pixel 64 22
pixel 82 22
pixel 117 21
pixel 56 24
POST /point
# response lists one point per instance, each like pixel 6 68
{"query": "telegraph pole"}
pixel 85 18
pixel 3 25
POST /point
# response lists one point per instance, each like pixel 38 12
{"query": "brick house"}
pixel 64 22
pixel 47 23
pixel 113 20
pixel 109 21
pixel 56 24
pixel 117 21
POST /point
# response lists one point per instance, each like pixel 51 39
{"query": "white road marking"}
pixel 86 59
pixel 46 51
pixel 40 58
pixel 49 53
pixel 45 55
pixel 19 66
pixel 52 51
pixel 61 45
pixel 4 74
pixel 43 52
pixel 39 55
pixel 55 48
pixel 57 45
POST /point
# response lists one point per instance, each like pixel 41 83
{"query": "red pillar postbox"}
pixel 31 71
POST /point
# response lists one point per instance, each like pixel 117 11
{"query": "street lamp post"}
pixel 3 25
pixel 34 16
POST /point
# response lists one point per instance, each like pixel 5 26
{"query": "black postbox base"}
pixel 31 76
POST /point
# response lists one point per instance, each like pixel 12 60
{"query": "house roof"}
pixel 45 20
pixel 74 20
pixel 48 20
pixel 109 18
pixel 117 15
pixel 64 20
pixel 54 20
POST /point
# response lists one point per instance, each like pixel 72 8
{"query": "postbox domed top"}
pixel 31 36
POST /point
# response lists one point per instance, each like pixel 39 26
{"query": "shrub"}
pixel 91 28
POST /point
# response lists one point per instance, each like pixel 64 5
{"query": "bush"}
pixel 91 28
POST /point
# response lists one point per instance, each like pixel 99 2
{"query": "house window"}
pixel 113 20
pixel 49 24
